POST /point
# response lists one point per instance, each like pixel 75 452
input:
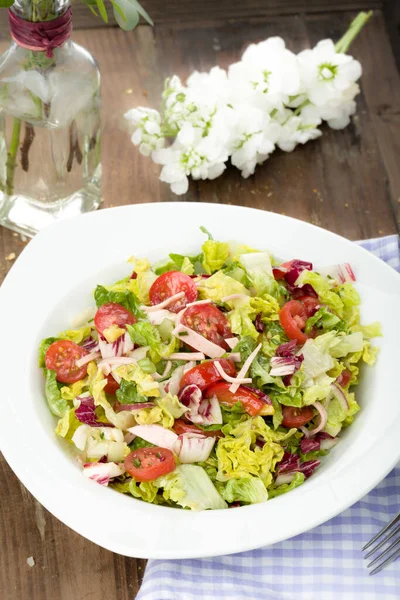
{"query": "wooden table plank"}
pixel 188 11
pixel 354 167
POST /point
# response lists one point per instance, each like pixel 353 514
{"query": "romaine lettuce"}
pixel 215 255
pixel 190 487
pixel 298 479
pixel 249 490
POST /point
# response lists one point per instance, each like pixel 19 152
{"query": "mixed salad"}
pixel 210 381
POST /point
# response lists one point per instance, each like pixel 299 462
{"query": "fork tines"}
pixel 387 555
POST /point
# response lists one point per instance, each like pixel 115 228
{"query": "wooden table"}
pixel 347 181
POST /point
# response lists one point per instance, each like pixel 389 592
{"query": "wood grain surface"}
pixel 347 181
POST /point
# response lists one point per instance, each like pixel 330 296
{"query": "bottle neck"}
pixel 39 11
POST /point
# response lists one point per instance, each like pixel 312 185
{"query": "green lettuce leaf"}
pixel 220 285
pixel 190 487
pixel 146 490
pixel 215 255
pixel 68 424
pixel 144 333
pixel 172 409
pixel 56 403
pixel 43 347
pixel 249 490
pixel 239 456
pixel 297 480
pixel 369 353
pixel 127 393
pixel 324 320
pixel 75 335
pixel 121 294
pixel 259 271
pixel 369 331
pixel 146 385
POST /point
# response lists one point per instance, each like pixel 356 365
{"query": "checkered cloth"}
pixel 323 564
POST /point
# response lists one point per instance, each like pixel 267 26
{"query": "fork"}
pixel 391 530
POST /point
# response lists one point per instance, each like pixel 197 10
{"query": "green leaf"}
pixel 297 480
pixel 126 298
pixel 127 393
pixel 138 442
pixel 125 14
pixel 142 11
pixel 102 10
pixel 57 404
pixel 6 3
pixel 43 347
pixel 204 230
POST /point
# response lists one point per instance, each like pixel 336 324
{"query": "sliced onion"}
pixel 340 396
pixel 243 371
pixel 198 302
pixel 87 358
pixel 164 303
pixel 305 431
pixel 155 434
pixel 172 385
pixel 323 419
pixel 227 377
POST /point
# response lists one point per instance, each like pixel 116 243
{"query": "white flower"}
pixel 326 74
pixel 298 129
pixel 192 154
pixel 147 134
pixel 267 75
pixel 338 112
pixel 254 138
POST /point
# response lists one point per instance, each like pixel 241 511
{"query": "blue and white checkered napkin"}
pixel 323 564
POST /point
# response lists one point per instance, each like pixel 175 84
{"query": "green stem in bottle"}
pixel 355 27
pixel 12 156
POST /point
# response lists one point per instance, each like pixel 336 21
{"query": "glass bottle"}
pixel 49 129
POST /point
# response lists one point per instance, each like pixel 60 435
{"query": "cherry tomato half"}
pixel 252 404
pixel 112 386
pixel 208 321
pixel 171 283
pixel 112 313
pixel 280 273
pixel 146 464
pixel 61 357
pixel 206 374
pixel 344 378
pixel 292 317
pixel 180 426
pixel 296 417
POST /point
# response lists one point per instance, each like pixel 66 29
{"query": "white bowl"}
pixel 52 281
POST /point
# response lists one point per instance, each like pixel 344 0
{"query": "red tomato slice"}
pixel 206 374
pixel 112 386
pixel 180 426
pixel 292 317
pixel 146 464
pixel 296 417
pixel 310 304
pixel 112 313
pixel 208 321
pixel 344 378
pixel 251 402
pixel 171 283
pixel 61 357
